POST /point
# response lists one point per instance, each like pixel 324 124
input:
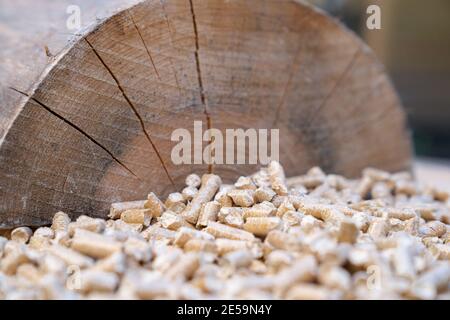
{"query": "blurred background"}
pixel 414 45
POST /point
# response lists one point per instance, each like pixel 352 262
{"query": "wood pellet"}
pixel 316 236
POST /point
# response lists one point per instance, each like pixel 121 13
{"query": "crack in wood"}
pixel 175 76
pixel 336 85
pixel 287 87
pixel 169 28
pixel 319 142
pixel 136 113
pixel 294 69
pixel 144 43
pixel 199 75
pixel 166 17
pixel 77 128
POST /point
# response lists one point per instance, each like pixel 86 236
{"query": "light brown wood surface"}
pixel 92 125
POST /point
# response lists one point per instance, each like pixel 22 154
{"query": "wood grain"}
pixel 92 125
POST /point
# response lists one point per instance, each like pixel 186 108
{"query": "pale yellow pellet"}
pixel 231 216
pixel 335 277
pixel 93 244
pixel 278 259
pixel 264 194
pixel 96 280
pixel 222 196
pixel 376 174
pixel 12 261
pixel 364 187
pixel 292 218
pixel 263 209
pixel 185 234
pixel 60 222
pixel 155 232
pixel 193 180
pixel 441 251
pixel 261 226
pixel 284 207
pixel 378 228
pixel 155 205
pixel 277 178
pixel 21 234
pixel 245 183
pixel 348 231
pixel 200 245
pixel 282 240
pixel 44 232
pixel 70 256
pixel 29 272
pixel 137 216
pixel 185 267
pixel 242 198
pixel 227 245
pixel 210 185
pixel 174 199
pixel 3 242
pixel 238 259
pixel 39 242
pixel 172 221
pixel 219 230
pixel 311 292
pixel 117 263
pixel 208 212
pixel 117 208
pixel 189 193
pixel 138 249
pixel 87 223
pixel 433 229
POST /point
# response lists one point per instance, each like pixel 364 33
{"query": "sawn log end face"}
pixel 98 127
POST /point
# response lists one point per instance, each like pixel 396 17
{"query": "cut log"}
pixel 91 123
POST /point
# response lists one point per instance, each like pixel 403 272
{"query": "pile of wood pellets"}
pixel 315 236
